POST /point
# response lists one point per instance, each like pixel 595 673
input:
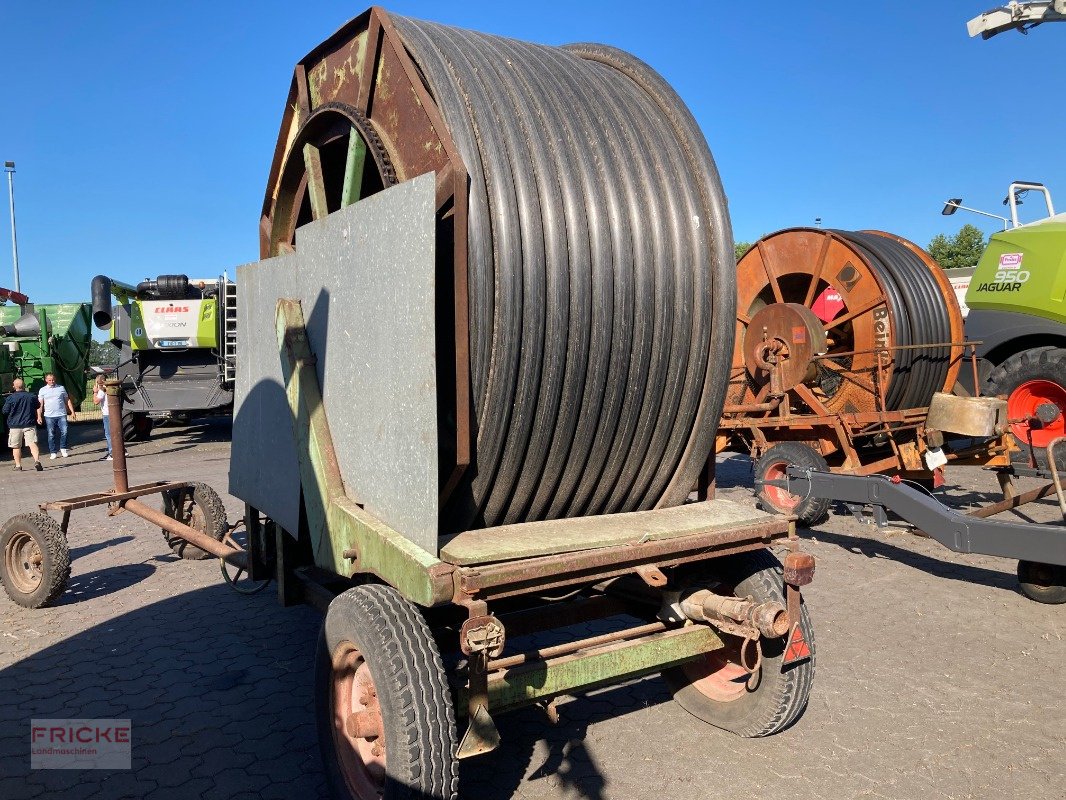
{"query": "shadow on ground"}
pixel 202 675
pixel 878 548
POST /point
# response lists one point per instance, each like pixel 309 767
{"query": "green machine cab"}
pixel 1017 301
pixel 177 341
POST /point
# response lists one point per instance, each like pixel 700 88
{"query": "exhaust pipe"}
pixel 100 291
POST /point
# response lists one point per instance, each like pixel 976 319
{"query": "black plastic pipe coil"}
pixel 601 280
pixel 920 314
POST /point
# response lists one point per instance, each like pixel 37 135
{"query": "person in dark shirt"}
pixel 20 411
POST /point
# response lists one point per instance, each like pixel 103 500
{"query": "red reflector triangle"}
pixel 797 646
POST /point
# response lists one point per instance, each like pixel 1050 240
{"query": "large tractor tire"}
pixel 34 559
pixel 386 727
pixel 136 427
pixel 773 465
pixel 717 689
pixel 1034 383
pixel 199 507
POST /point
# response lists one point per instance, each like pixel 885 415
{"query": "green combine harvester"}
pixel 1017 301
pixel 177 342
pixel 38 339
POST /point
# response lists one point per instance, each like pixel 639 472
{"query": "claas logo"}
pixel 170 309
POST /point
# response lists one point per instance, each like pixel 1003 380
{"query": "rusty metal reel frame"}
pixel 797 265
pixel 362 83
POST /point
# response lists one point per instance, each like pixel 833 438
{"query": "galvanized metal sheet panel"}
pixel 365 278
pixel 263 467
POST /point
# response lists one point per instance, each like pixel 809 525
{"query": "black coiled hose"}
pixel 921 317
pixel 601 281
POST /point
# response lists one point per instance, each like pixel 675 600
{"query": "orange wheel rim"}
pixel 361 758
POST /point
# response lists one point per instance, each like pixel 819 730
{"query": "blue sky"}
pixel 143 132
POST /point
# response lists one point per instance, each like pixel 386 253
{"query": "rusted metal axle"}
pixel 118 453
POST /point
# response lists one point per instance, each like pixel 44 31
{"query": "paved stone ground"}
pixel 936 678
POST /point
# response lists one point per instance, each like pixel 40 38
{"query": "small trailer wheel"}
pixel 773 465
pixel 240 578
pixel 717 689
pixel 1045 583
pixel 384 711
pixel 199 507
pixel 35 563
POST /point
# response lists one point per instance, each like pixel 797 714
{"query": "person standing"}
pixel 20 411
pixel 100 399
pixel 52 413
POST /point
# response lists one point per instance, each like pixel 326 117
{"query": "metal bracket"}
pixel 481 735
pixel 652 575
pixel 482 637
pixel 877 515
pixel 482 634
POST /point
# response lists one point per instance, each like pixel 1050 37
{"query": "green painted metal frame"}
pixel 354 162
pixel 345 539
pixel 540 680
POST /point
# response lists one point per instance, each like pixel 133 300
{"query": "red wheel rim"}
pixel 361 758
pixel 779 498
pixel 718 677
pixel 1024 403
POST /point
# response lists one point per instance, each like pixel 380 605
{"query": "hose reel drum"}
pixel 855 320
pixel 585 285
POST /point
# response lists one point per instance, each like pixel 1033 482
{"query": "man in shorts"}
pixel 20 411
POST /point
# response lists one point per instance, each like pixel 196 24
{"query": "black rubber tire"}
pixel 781 694
pixel 206 514
pixel 136 427
pixel 55 558
pixel 1038 363
pixel 810 510
pixel 416 704
pixel 1045 583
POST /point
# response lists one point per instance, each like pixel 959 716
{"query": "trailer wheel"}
pixel 136 427
pixel 773 465
pixel 199 507
pixel 1034 383
pixel 35 563
pixel 384 711
pixel 718 690
pixel 1045 583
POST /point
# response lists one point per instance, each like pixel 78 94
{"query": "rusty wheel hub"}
pixel 192 515
pixel 24 563
pixel 358 727
pixel 842 297
pixel 719 675
pixel 782 338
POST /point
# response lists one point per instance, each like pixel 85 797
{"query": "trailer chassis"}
pixel 1039 548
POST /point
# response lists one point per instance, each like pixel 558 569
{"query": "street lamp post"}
pixel 9 168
